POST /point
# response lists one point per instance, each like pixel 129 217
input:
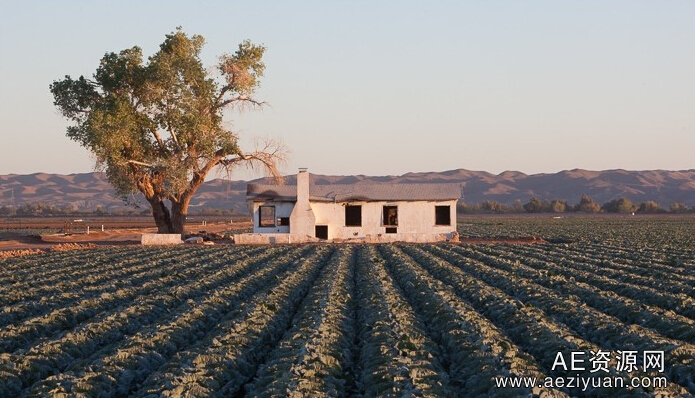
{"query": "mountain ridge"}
pixel 85 191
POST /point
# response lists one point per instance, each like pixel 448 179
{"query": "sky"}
pixel 389 87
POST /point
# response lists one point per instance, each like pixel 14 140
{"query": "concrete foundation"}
pixel 410 238
pixel 271 239
pixel 161 239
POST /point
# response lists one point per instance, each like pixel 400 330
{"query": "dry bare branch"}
pixel 269 154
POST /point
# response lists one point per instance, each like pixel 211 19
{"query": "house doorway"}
pixel 322 232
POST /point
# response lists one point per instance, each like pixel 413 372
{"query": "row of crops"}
pixel 663 232
pixel 347 320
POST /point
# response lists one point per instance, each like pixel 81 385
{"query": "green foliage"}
pixel 243 69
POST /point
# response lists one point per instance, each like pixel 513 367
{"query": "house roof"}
pixel 356 192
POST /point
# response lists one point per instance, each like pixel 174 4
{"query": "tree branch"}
pixel 239 98
pixel 272 154
pixel 160 143
pixel 173 137
pixel 135 162
pixel 221 95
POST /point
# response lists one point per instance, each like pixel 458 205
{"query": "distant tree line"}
pixel 534 205
pixel 586 205
pixel 36 209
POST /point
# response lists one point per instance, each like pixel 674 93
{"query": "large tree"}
pixel 157 127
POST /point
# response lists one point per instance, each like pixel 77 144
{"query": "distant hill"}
pixel 86 191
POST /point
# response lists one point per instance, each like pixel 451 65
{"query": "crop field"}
pixel 606 309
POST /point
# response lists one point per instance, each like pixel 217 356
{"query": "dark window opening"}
pixel 353 216
pixel 284 221
pixel 391 215
pixel 442 215
pixel 391 230
pixel 322 231
pixel 266 216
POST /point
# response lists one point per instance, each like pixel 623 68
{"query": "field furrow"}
pixel 89 341
pixel 180 316
pixel 607 332
pixel 653 274
pixel 314 357
pixel 397 358
pixel 89 280
pixel 65 318
pixel 474 351
pixel 46 265
pixel 225 358
pixel 644 260
pixel 679 303
pixel 529 327
pixel 628 311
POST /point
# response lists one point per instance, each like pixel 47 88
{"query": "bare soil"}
pixel 526 240
pixel 17 242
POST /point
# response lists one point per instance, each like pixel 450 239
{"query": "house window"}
pixel 266 216
pixel 391 215
pixel 284 221
pixel 353 216
pixel 442 215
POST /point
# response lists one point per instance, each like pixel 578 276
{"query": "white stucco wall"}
pixel 413 218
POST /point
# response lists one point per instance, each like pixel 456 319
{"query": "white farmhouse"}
pixel 351 212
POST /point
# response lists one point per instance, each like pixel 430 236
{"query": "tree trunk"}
pixel 179 208
pixel 179 212
pixel 162 217
pixel 170 221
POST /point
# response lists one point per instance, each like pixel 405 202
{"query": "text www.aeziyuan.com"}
pixel 580 382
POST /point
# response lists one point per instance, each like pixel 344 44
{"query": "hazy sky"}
pixel 388 87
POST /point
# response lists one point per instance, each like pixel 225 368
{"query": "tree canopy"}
pixel 157 126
